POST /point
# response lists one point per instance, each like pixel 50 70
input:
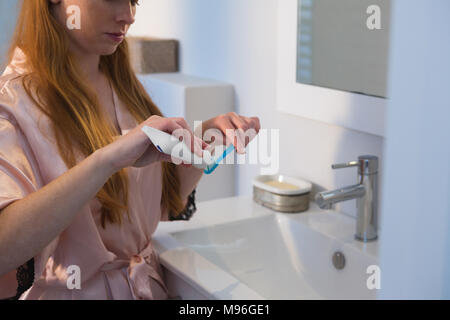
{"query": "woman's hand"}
pixel 237 129
pixel 135 148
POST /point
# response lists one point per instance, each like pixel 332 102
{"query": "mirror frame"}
pixel 350 110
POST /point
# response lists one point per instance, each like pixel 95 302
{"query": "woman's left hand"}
pixel 234 128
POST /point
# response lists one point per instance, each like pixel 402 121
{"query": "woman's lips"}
pixel 116 37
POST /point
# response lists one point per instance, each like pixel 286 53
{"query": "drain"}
pixel 338 260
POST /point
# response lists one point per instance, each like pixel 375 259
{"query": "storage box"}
pixel 153 55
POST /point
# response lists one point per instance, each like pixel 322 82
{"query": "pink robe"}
pixel 118 262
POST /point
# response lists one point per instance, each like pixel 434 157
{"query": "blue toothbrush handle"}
pixel 210 169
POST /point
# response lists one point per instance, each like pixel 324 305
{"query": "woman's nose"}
pixel 126 13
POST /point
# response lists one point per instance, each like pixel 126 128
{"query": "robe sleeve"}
pixel 19 176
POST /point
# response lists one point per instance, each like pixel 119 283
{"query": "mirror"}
pixel 344 45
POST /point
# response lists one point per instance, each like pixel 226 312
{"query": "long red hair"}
pixel 55 85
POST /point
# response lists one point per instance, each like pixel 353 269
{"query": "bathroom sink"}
pixel 272 255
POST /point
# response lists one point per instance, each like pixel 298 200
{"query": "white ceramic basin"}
pixel 274 255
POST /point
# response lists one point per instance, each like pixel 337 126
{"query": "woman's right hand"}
pixel 135 148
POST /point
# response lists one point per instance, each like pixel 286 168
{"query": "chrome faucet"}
pixel 365 193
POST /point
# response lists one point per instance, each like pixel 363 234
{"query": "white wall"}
pixel 415 242
pixel 235 41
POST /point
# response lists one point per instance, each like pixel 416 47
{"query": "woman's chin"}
pixel 108 50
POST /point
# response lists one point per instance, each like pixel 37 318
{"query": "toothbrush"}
pixel 166 143
pixel 210 169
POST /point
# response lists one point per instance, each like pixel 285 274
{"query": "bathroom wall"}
pixel 415 238
pixel 235 41
pixel 8 16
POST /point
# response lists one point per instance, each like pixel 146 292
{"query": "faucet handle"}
pixel 367 164
pixel 345 165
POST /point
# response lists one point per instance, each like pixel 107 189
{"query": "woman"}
pixel 82 188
